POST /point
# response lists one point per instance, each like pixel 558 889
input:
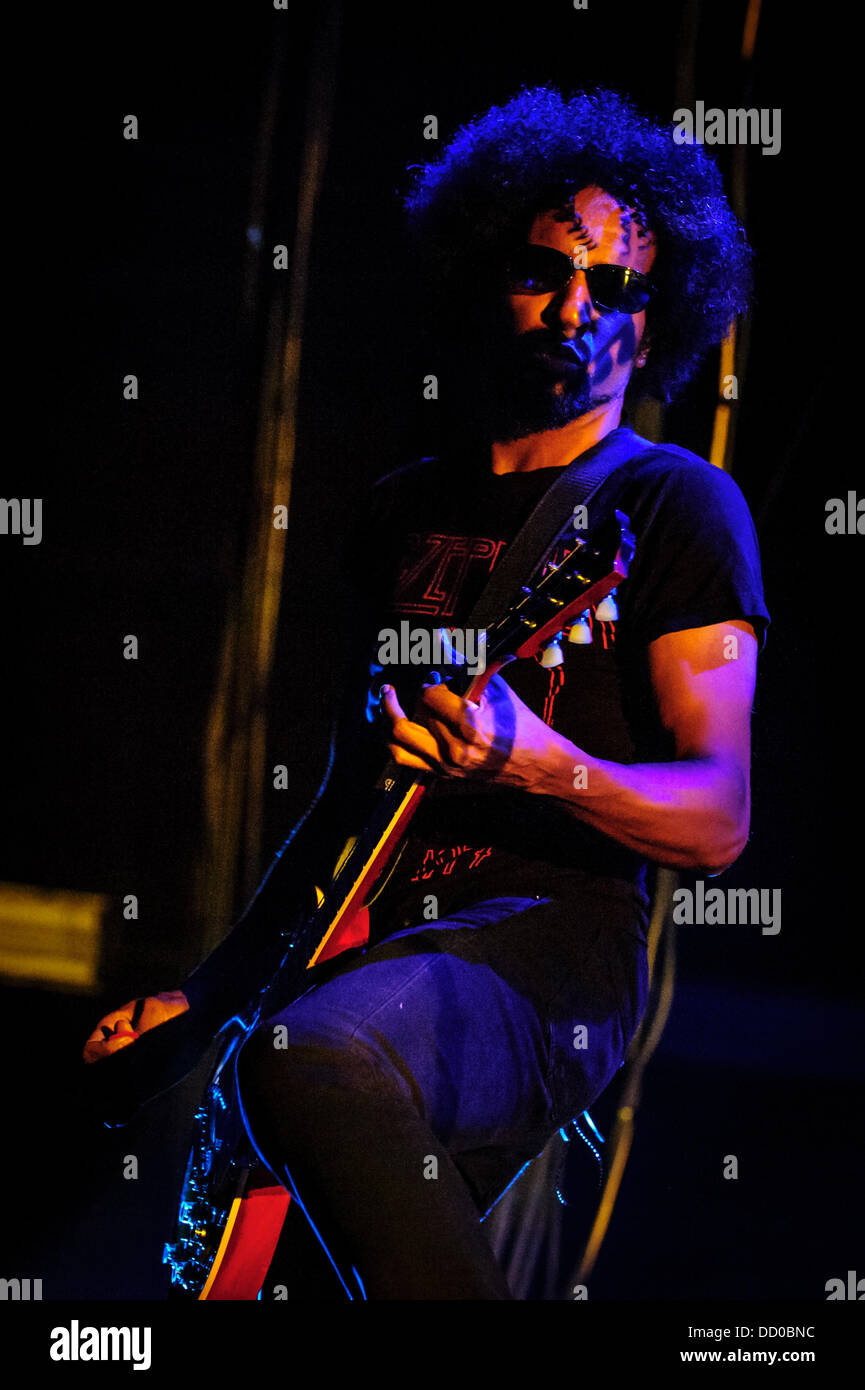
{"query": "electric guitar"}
pixel 232 1208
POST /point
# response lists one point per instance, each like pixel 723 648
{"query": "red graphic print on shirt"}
pixel 434 571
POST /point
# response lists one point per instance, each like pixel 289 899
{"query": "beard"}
pixel 528 394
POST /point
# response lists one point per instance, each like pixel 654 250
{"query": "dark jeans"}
pixel 400 1094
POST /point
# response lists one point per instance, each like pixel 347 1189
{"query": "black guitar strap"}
pixel 596 477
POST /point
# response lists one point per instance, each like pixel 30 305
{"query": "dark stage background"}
pixel 141 263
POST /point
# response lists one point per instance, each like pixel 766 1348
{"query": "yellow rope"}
pixel 642 1047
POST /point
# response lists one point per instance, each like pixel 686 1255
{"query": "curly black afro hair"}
pixel 503 168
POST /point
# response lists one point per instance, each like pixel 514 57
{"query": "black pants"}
pixel 399 1095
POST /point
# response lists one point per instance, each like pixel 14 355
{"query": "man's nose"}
pixel 572 307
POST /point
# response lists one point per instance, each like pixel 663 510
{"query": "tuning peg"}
pixel 607 610
pixel 580 633
pixel 552 655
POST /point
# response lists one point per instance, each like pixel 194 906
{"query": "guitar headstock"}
pixel 593 567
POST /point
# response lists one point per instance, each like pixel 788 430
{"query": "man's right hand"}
pixel 122 1027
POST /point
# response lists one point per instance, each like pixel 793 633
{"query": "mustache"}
pixel 527 354
pixel 539 340
pixel 589 341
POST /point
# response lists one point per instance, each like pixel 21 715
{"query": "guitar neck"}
pixel 400 792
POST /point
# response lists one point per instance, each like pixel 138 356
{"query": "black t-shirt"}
pixel 440 527
pixel 435 531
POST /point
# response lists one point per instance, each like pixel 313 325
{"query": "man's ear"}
pixel 643 352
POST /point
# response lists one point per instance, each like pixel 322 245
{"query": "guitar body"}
pixel 232 1208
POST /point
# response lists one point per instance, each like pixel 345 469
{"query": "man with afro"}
pixel 571 256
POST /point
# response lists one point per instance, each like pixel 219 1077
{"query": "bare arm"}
pixel 692 812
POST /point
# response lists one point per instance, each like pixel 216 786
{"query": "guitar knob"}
pixel 607 610
pixel 552 655
pixel 580 633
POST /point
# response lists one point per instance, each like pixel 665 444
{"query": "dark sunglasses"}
pixel 533 269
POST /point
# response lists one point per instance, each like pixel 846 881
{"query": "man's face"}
pixel 542 383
